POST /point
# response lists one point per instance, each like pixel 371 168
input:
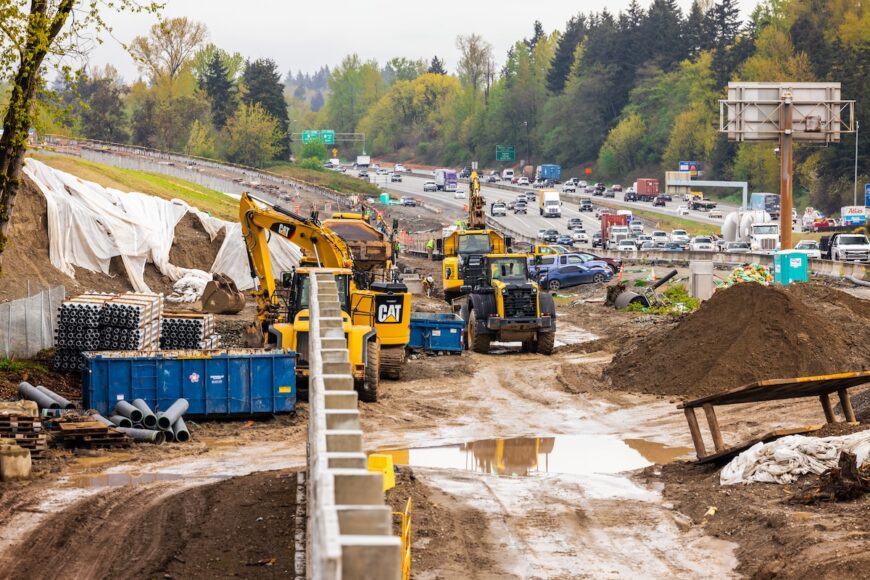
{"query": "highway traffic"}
pixel 529 224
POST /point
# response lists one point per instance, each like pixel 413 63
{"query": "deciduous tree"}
pixel 169 45
pixel 251 136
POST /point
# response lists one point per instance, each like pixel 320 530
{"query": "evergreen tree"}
pixel 104 117
pixel 263 87
pixel 220 90
pixel 724 23
pixel 663 34
pixel 566 49
pixel 696 32
pixel 317 102
pixel 437 66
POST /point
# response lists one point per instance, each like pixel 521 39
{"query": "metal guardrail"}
pixel 161 158
pixel 349 526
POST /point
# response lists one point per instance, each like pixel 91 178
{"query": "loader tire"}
pixel 476 341
pixel 545 342
pixel 368 390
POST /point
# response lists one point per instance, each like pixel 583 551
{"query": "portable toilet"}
pixel 790 266
pixel 385 198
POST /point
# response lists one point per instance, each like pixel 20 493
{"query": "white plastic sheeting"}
pixel 89 224
pixel 786 459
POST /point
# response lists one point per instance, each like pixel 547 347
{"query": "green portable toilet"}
pixel 790 266
pixel 385 198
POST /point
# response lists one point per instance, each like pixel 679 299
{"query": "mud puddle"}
pixel 525 456
pixel 565 336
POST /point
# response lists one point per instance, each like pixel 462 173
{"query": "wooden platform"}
pixel 770 390
pixel 75 434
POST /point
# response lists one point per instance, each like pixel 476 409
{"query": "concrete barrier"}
pixel 349 528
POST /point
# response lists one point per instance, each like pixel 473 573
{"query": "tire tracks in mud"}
pixel 102 535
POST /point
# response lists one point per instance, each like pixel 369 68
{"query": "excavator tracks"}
pixel 392 361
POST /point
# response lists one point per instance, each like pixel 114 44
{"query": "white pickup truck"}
pixel 846 248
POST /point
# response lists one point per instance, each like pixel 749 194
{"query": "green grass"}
pixel 340 182
pixel 679 302
pixel 8 365
pixel 205 199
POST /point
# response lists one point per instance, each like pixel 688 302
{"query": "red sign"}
pixel 588 171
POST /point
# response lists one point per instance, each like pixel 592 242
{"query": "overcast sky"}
pixel 307 35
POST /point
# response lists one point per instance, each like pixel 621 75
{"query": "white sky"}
pixel 307 34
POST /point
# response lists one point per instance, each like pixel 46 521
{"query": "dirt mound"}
pixel 748 333
pixel 192 246
pixel 27 267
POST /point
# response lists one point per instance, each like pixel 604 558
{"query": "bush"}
pixel 312 163
pixel 315 149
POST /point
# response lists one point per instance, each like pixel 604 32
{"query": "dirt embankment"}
pixel 242 527
pixel 748 333
pixel 27 265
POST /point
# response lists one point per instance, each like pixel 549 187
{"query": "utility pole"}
pixel 785 175
pixel 855 184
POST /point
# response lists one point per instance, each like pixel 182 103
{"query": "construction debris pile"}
pixel 188 331
pixel 748 333
pixel 101 322
pixel 755 273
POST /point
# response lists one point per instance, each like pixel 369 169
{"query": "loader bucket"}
pixel 222 297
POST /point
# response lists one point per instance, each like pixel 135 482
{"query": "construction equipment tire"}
pixel 476 341
pixel 546 342
pixel 368 392
pixel 392 361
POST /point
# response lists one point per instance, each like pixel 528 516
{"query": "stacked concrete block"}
pixel 349 525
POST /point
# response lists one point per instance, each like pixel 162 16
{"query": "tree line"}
pixel 627 94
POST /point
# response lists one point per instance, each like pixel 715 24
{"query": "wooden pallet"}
pixel 27 432
pixel 73 434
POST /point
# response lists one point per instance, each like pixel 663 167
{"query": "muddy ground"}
pixel 516 464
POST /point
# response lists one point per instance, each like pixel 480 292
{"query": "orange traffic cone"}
pixel 652 274
pixel 620 276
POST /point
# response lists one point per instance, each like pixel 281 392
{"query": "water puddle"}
pixel 119 479
pixel 524 456
pixel 564 337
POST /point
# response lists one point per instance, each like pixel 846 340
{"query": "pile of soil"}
pixel 27 266
pixel 745 334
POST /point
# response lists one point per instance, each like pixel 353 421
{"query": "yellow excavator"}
pixel 491 288
pixel 379 298
pixel 283 316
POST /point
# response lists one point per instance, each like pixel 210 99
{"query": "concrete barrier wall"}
pixel 349 526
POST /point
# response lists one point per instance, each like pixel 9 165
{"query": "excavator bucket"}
pixel 221 296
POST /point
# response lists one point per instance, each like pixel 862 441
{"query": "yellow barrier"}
pixel 406 540
pixel 384 464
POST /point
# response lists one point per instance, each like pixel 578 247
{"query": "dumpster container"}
pixel 790 266
pixel 216 383
pixel 436 332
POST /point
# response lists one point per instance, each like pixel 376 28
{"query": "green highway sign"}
pixel 309 136
pixel 328 137
pixel 505 153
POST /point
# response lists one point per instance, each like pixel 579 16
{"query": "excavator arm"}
pixel 260 220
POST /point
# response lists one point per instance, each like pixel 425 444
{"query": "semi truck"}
pixel 646 189
pixel 446 180
pixel 549 173
pixel 549 203
pixel 613 229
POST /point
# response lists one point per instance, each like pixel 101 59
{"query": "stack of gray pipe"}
pixel 142 425
pixel 45 398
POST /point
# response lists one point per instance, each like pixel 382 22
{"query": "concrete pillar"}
pixel 701 279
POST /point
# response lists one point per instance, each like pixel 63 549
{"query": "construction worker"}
pixel 397 248
pixel 430 247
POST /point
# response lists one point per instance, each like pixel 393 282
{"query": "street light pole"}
pixel 855 184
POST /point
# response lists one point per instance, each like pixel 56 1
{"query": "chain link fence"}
pixel 27 325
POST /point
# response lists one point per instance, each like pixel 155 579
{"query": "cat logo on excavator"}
pixel 389 309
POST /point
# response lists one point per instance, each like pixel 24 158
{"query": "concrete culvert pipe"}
pixel 149 419
pixel 169 436
pixel 64 403
pixel 125 409
pixel 179 430
pixel 166 418
pixel 144 435
pixel 31 393
pixel 121 421
pixel 103 420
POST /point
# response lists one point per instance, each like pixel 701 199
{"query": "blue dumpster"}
pixel 215 383
pixel 436 332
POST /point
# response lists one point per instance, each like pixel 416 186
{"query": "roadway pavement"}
pixel 529 224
